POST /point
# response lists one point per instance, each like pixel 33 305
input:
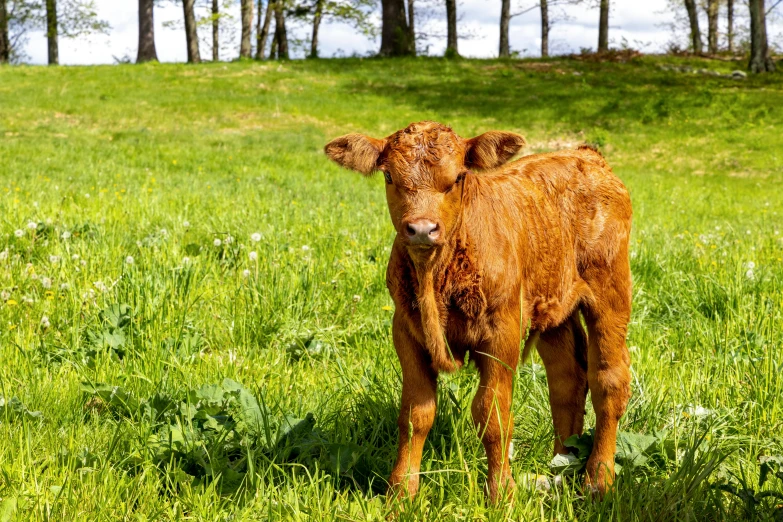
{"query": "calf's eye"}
pixel 388 178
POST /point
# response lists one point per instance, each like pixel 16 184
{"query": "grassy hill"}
pixel 166 227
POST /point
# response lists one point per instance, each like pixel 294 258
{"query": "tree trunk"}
pixel 693 18
pixel 730 29
pixel 215 31
pixel 191 36
pixel 319 11
pixel 5 43
pixel 51 32
pixel 451 28
pixel 712 26
pixel 247 29
pixel 146 32
pixel 273 47
pixel 263 32
pixel 544 28
pixel 603 27
pixel 395 34
pixel 411 30
pixel 281 35
pixel 505 19
pixel 760 60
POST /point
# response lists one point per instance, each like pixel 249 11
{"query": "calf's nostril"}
pixel 434 230
pixel 410 230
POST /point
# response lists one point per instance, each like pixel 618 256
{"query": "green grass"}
pixel 123 158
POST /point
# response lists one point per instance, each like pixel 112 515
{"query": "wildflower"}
pixel 305 247
pixel 49 295
pixel 87 196
pixel 5 295
pixel 357 298
pixel 32 225
pixel 11 302
pixel 75 257
pixel 229 240
pixel 64 287
pixel 4 255
pixel 750 274
pixel 46 283
pixel 750 265
pixel 253 256
pixel 217 242
pixel 45 322
pixel 28 300
pixel 255 237
pixel 246 273
pixel 54 259
pixel 129 260
pixel 19 232
pixel 100 286
pixel 186 224
pixel 163 232
pixel 186 260
pixel 66 235
pixel 386 308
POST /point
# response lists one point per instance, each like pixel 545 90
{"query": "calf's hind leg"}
pixel 608 366
pixel 564 352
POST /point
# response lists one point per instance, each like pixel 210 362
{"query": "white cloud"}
pixel 638 22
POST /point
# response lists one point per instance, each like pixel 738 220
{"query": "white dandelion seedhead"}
pixel 750 265
pixel 305 248
pixel 357 298
pixel 255 237
pixel 186 224
pixel 75 257
pixel 129 260
pixel 246 273
pixel 4 255
pixel 750 275
pixel 228 240
pixel 217 242
pixel 163 232
pixel 45 322
pixel 101 286
pixel 54 259
pixel 65 286
pixel 46 283
pixel 19 232
pixel 66 235
pixel 5 295
pixel 32 225
pixel 253 255
pixel 186 260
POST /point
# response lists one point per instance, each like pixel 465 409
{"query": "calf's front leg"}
pixel 492 411
pixel 417 411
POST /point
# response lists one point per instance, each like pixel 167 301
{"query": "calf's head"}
pixel 424 165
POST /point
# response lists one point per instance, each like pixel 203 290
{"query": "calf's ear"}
pixel 492 149
pixel 356 152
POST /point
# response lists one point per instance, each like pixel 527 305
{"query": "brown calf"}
pixel 477 258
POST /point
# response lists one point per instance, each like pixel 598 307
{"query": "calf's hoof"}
pixel 599 478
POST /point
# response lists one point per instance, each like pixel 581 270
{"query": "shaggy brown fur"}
pixel 536 241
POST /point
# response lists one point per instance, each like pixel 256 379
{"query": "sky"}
pixel 643 24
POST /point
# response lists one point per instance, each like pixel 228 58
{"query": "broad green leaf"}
pixel 565 464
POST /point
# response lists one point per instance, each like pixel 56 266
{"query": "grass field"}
pixel 164 228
